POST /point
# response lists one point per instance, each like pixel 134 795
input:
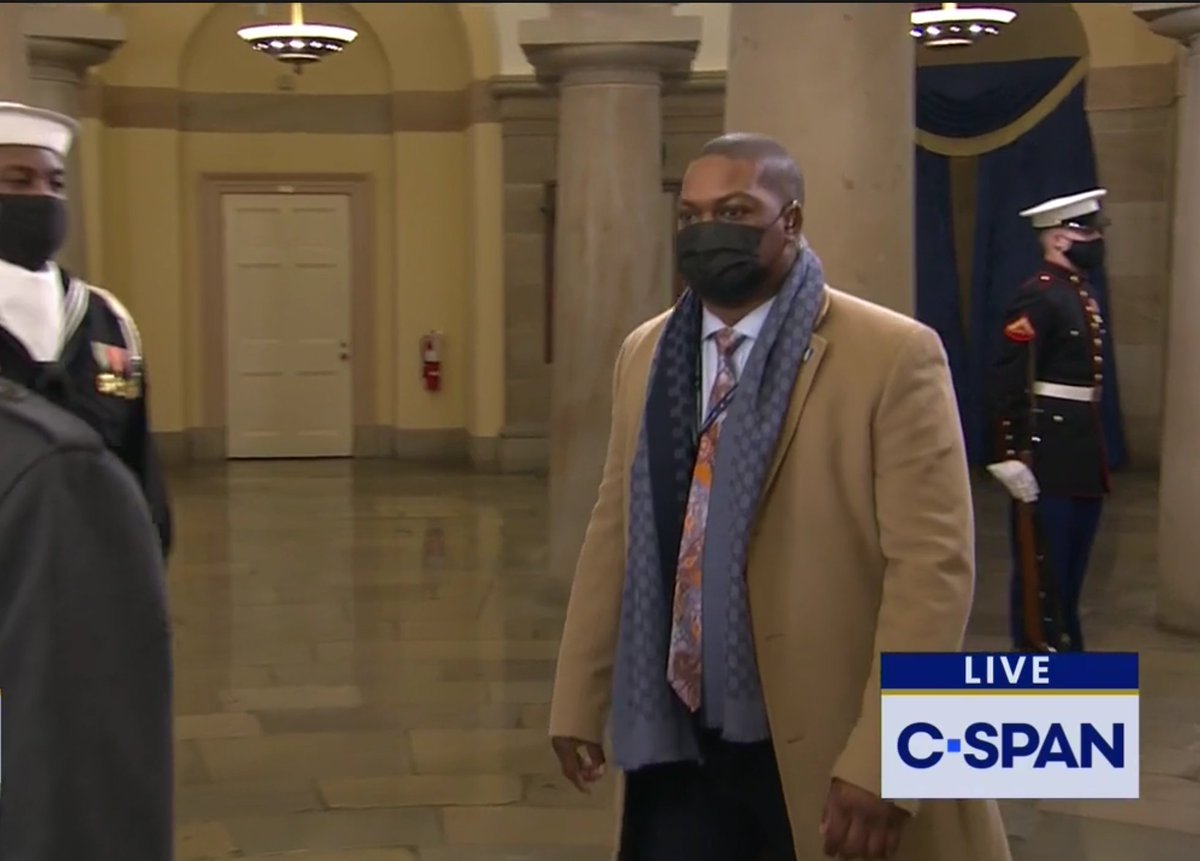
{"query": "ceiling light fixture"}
pixel 952 25
pixel 298 44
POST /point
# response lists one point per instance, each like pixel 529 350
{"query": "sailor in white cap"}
pixel 70 341
pixel 1051 456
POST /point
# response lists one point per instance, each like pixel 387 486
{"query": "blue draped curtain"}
pixel 1054 157
pixel 937 299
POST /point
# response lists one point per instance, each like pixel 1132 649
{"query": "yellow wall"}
pixel 435 196
pixel 1117 37
pixel 485 297
pixel 142 235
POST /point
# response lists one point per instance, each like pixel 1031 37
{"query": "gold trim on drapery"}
pixel 1004 136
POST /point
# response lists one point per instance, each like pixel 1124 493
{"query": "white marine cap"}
pixel 21 125
pixel 1074 210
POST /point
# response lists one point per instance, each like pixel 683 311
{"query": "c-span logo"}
pixel 1010 725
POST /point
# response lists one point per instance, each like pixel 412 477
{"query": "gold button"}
pixel 1099 378
pixel 1098 342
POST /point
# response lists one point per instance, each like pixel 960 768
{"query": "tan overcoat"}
pixel 864 543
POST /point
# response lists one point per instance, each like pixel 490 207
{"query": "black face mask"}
pixel 1087 256
pixel 32 229
pixel 719 261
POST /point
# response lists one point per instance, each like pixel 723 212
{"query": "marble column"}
pixel 833 82
pixel 608 61
pixel 14 61
pixel 1179 488
pixel 64 42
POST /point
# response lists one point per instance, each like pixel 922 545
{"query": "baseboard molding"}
pixel 206 444
pixel 496 454
pixel 174 447
pixel 511 452
pixel 373 442
pixel 524 449
pixel 443 446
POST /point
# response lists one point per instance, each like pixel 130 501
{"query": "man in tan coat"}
pixel 785 496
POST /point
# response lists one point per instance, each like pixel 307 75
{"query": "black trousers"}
pixel 1069 524
pixel 729 808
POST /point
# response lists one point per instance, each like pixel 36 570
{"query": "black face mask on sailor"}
pixel 719 260
pixel 33 228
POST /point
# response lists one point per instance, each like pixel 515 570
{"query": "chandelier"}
pixel 952 25
pixel 298 44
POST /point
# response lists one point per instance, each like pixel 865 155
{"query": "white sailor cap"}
pixel 21 125
pixel 1074 210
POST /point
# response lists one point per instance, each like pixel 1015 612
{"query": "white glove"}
pixel 1017 479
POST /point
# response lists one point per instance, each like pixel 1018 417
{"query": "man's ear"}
pixel 793 221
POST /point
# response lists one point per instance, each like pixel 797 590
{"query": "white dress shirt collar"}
pixel 749 326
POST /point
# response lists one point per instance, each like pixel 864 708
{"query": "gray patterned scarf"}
pixel 650 724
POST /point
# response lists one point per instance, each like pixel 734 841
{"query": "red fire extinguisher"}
pixel 431 361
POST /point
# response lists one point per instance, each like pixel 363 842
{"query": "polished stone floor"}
pixel 364 655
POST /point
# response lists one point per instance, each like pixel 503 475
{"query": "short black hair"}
pixel 777 170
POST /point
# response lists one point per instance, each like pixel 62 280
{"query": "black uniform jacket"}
pixel 85 664
pixel 100 378
pixel 1053 333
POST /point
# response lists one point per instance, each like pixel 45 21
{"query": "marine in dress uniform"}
pixel 70 341
pixel 1048 380
pixel 85 664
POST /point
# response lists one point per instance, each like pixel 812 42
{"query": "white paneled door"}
pixel 287 301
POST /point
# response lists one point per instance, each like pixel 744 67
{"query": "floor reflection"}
pixel 364 655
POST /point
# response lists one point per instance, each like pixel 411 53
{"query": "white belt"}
pixel 1086 394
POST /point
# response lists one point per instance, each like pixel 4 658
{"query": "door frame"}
pixel 212 353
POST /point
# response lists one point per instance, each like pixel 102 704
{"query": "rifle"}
pixel 1041 610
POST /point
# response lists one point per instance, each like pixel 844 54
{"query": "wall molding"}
pixel 483 101
pixel 521 99
pixel 502 98
pixel 166 108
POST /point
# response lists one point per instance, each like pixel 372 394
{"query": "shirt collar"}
pixel 749 326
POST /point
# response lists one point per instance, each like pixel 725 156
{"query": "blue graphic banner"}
pixel 995 672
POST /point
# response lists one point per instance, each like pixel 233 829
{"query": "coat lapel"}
pixel 808 373
pixel 804 381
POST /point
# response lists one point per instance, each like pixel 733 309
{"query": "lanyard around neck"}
pixel 717 410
